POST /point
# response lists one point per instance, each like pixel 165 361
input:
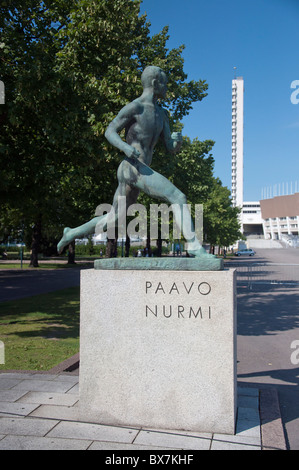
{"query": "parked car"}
pixel 247 251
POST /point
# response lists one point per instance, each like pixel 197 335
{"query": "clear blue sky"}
pixel 261 39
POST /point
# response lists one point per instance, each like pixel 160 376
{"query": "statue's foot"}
pixel 200 253
pixel 64 241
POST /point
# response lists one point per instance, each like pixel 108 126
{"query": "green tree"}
pixel 221 219
pixel 28 157
pixel 69 66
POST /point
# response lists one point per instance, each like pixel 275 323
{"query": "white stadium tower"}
pixel 250 218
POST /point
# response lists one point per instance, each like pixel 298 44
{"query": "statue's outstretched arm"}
pixel 173 142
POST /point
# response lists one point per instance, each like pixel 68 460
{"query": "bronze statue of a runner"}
pixel 145 122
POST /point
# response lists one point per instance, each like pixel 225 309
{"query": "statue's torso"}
pixel 144 129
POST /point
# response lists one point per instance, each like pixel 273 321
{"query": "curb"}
pixel 69 365
pixel 272 433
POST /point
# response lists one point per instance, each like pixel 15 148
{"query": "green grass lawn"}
pixel 41 331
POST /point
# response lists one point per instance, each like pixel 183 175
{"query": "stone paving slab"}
pixel 40 411
pixel 171 440
pixel 42 443
pixel 248 402
pixel 97 445
pixel 26 427
pixel 74 390
pixel 20 409
pixel 7 383
pixel 220 445
pixel 94 432
pixel 37 385
pixel 247 428
pixel 238 439
pixel 48 398
pixel 12 395
pixel 66 413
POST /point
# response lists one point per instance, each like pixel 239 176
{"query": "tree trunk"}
pixel 148 246
pixel 127 247
pixel 159 244
pixel 111 248
pixel 36 238
pixel 71 253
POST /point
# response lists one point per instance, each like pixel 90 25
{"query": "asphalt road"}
pixel 16 284
pixel 268 324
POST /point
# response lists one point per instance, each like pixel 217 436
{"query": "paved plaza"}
pixel 40 412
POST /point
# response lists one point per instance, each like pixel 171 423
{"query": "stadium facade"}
pixel 272 218
pixel 280 217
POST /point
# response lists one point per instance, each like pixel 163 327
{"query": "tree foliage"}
pixel 221 219
pixel 68 67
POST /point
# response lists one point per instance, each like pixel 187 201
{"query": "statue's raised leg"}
pixel 70 234
pixel 99 223
pixel 157 186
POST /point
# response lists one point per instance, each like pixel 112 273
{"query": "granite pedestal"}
pixel 158 349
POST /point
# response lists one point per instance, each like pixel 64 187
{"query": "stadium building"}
pixel 281 217
pixel 272 218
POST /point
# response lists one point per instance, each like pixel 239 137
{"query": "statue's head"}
pixel 153 76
